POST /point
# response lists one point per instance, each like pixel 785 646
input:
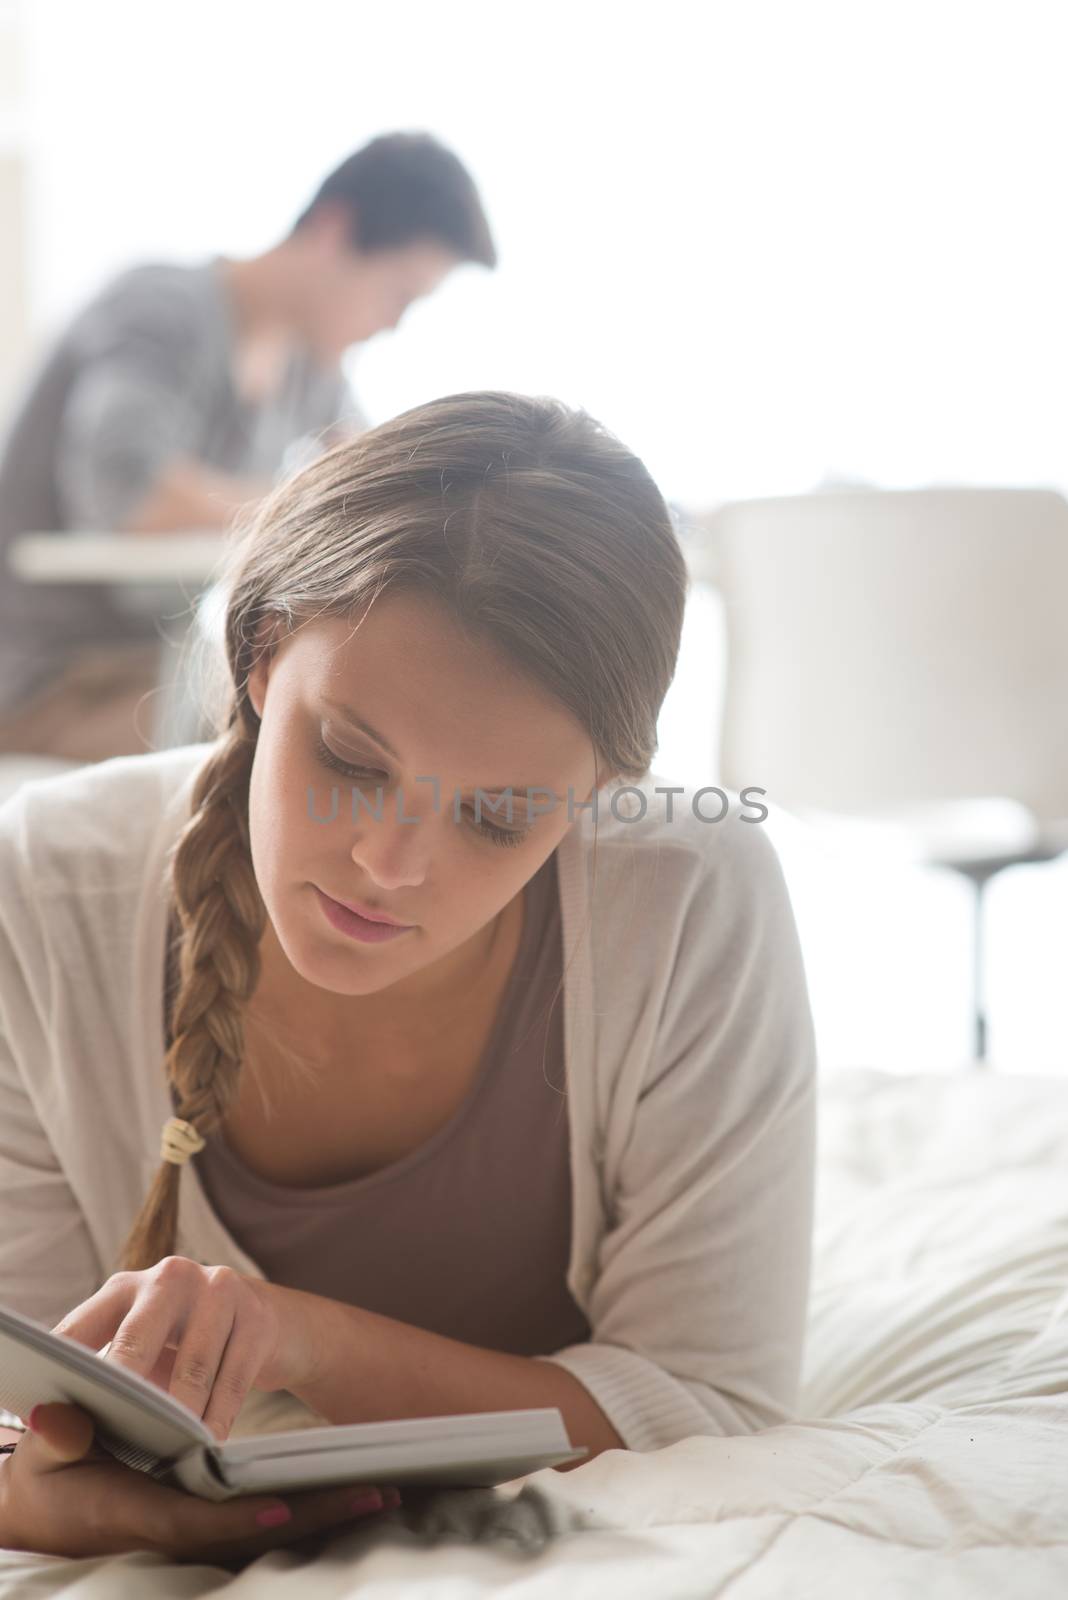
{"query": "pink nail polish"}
pixel 29 1420
pixel 274 1516
pixel 371 1501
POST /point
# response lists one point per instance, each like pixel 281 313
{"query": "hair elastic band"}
pixel 180 1141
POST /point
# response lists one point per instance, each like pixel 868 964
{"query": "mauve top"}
pixel 469 1234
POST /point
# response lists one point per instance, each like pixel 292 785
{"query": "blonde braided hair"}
pixel 222 916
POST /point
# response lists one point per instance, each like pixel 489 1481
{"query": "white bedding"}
pixel 931 1461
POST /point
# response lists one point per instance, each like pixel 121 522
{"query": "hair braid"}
pixel 222 917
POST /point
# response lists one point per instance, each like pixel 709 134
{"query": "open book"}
pixel 146 1428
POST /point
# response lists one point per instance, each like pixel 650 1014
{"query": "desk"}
pixel 177 558
pixel 175 575
pixel 167 575
pixel 165 558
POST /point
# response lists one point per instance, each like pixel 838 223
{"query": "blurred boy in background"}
pixel 171 401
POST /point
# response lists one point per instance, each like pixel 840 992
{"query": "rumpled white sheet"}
pixel 930 1460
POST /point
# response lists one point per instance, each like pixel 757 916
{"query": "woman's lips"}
pixel 357 927
pixel 367 914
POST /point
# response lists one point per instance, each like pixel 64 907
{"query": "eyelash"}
pixel 508 837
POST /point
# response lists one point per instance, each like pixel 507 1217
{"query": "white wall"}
pixel 15 334
pixel 766 242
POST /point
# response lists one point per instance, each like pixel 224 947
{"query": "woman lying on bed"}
pixel 412 1047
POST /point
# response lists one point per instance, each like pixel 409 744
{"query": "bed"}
pixel 930 1455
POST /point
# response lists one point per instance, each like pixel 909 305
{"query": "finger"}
pixel 223 1348
pixel 161 1373
pixel 141 1337
pixel 231 1529
pixel 246 1350
pixel 157 1316
pixel 202 1376
pixel 61 1433
pixel 94 1321
pixel 148 1307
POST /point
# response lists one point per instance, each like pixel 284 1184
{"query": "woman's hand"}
pixel 207 1335
pixel 60 1494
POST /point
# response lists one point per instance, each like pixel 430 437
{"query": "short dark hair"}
pixel 404 187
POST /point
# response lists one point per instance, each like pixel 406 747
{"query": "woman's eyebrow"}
pixel 518 789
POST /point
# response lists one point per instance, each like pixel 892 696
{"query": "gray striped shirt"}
pixel 143 373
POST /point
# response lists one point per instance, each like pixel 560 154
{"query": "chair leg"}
pixel 978 1001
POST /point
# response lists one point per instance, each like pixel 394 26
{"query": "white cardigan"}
pixel 690 1065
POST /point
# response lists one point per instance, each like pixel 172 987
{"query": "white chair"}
pixel 903 655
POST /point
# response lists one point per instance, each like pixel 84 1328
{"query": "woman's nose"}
pixel 394 848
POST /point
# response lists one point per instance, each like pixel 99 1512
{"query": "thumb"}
pixel 62 1432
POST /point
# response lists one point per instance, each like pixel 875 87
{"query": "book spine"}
pixel 197 1472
